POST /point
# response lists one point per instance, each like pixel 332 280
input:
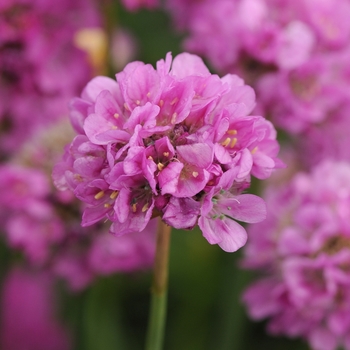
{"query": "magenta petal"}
pixel 322 338
pixel 96 85
pixel 122 204
pixel 252 298
pixel 186 64
pixel 227 233
pixel 191 181
pixel 101 132
pixel 182 213
pixel 168 178
pixel 107 106
pixel 164 148
pixel 245 207
pixel 93 215
pixel 221 154
pixel 199 154
pixel 144 115
pixel 79 110
pixel 134 223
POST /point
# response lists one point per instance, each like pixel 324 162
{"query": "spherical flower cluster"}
pixel 40 66
pixel 44 223
pixel 308 95
pixel 28 317
pixel 302 251
pixel 329 139
pixel 280 32
pixel 176 142
pixel 296 53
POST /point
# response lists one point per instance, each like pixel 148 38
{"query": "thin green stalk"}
pixel 156 325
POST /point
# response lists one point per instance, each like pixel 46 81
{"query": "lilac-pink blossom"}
pixel 41 68
pixel 295 53
pixel 28 318
pixel 44 224
pixel 163 142
pixel 302 251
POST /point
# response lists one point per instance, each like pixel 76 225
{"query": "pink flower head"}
pixel 301 98
pixel 28 319
pixel 303 252
pixel 165 142
pixel 295 53
pixel 41 69
pixel 328 139
pixel 269 31
pixel 25 208
pixel 44 224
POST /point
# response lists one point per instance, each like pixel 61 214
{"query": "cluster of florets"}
pixel 295 53
pixel 41 68
pixel 28 313
pixel 176 142
pixel 283 33
pixel 44 223
pixel 303 252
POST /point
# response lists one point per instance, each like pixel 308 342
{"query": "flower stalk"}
pixel 156 325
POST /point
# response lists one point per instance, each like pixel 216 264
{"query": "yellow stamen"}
pixel 137 102
pixel 148 94
pixel 166 154
pixel 226 142
pixel 126 107
pixel 233 142
pixel 114 127
pixel 195 174
pixel 99 195
pixel 150 157
pixel 107 205
pixel 173 118
pixel 145 207
pixel 160 166
pixel 78 177
pixel 232 132
pixel 254 150
pixel 174 101
pixel 114 195
pixel 134 207
pixel 116 115
pixel 161 102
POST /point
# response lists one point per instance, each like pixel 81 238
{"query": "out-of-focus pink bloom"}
pixel 303 252
pixel 28 319
pixel 329 139
pixel 299 99
pixel 295 53
pixel 157 140
pixel 272 32
pixel 123 48
pixel 284 33
pixel 109 254
pixel 181 11
pixel 26 214
pixel 44 223
pixel 40 68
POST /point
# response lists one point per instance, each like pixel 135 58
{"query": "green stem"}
pixel 156 325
